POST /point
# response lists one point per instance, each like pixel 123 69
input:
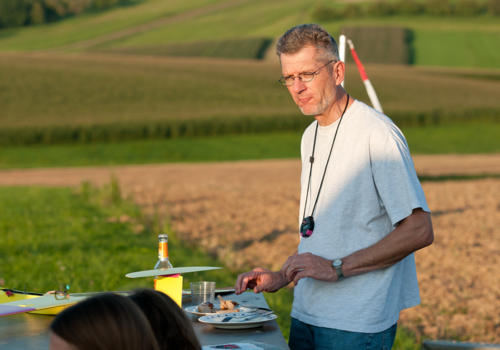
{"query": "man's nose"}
pixel 298 85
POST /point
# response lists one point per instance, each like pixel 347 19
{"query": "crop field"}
pixel 90 89
pixel 459 301
pixel 50 96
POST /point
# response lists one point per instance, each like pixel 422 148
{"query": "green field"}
pixel 467 139
pixel 445 42
pixel 93 25
pixel 248 19
pixel 54 236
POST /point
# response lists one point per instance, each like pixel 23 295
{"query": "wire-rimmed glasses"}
pixel 304 77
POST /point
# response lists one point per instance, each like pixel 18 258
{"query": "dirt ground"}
pixel 245 213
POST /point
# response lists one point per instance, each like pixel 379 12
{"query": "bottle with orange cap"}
pixel 163 261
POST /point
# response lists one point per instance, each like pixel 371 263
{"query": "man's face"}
pixel 316 97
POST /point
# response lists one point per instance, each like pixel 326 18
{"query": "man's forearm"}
pixel 413 233
pixel 281 281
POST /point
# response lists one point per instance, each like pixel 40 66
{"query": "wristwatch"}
pixel 337 265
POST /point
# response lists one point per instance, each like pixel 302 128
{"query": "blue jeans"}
pixel 304 337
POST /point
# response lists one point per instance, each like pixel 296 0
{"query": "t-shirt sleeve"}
pixel 394 173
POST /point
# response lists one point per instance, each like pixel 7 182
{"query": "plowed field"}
pixel 246 214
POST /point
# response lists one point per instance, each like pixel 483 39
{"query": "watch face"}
pixel 337 263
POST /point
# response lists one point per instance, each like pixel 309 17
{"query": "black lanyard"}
pixel 307 226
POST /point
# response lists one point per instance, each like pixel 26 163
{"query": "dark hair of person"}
pixel 171 326
pixel 103 322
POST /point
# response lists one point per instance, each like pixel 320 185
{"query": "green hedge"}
pixel 133 131
pixel 381 8
pixel 230 48
pixel 209 127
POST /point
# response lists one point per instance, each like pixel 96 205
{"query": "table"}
pixel 269 333
pixel 30 332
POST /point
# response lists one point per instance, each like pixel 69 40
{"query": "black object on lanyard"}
pixel 307 226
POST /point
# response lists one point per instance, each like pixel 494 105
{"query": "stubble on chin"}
pixel 305 113
pixel 312 112
pixel 309 112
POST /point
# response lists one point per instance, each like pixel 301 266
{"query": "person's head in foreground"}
pixel 172 328
pixel 102 322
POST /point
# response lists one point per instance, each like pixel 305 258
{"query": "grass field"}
pixel 92 25
pixel 53 236
pixel 465 139
pixel 250 18
pixel 446 42
pixel 457 48
pixel 90 239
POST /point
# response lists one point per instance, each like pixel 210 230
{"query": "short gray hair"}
pixel 303 35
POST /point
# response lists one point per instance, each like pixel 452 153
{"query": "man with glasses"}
pixel 362 210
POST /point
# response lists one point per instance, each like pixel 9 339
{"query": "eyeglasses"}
pixel 304 77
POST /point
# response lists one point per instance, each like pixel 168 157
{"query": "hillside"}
pixel 447 41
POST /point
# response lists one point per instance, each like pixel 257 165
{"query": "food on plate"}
pixel 225 307
pixel 206 307
pixel 227 304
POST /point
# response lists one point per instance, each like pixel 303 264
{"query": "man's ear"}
pixel 339 72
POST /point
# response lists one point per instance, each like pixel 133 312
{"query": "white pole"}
pixel 342 50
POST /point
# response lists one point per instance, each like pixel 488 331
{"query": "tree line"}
pixel 379 8
pixel 15 13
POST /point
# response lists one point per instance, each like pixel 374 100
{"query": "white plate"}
pixel 194 310
pixel 237 321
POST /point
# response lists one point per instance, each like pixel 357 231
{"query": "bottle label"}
pixel 163 250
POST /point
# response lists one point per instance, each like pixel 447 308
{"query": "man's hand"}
pixel 260 280
pixel 308 265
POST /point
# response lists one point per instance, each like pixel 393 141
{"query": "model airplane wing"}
pixel 38 303
pixel 6 310
pixel 169 272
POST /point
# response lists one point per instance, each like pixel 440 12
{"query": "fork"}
pixel 246 318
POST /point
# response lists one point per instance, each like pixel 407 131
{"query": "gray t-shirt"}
pixel 370 186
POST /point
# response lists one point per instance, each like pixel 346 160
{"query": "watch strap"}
pixel 340 274
pixel 337 265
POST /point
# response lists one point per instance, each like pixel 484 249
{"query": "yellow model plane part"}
pixel 7 296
